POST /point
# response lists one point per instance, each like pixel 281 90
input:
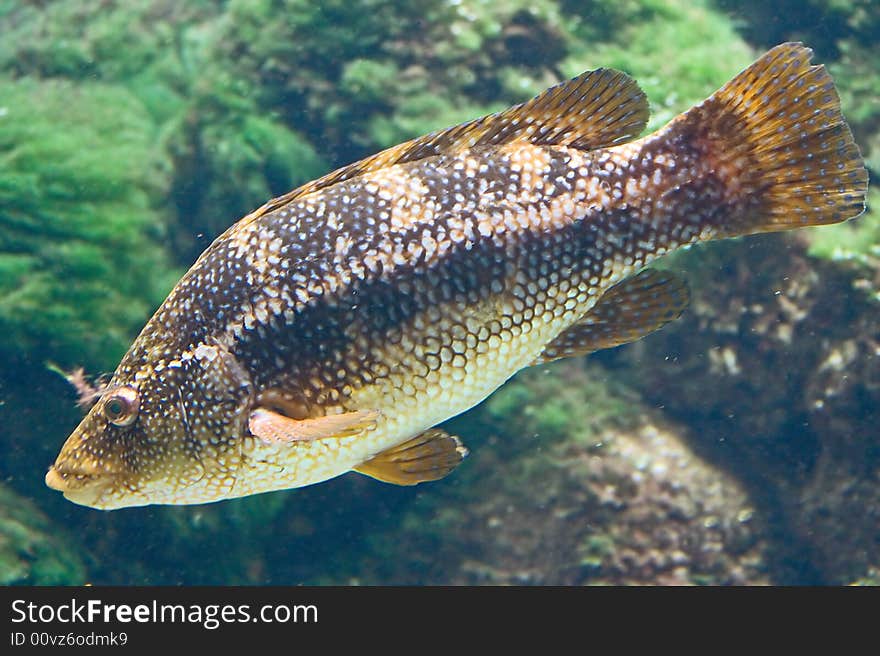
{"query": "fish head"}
pixel 164 431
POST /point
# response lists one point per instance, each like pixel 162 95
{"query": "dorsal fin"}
pixel 593 110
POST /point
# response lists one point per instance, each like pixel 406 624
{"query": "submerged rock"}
pixel 775 370
pixel 838 510
pixel 640 510
pixel 580 485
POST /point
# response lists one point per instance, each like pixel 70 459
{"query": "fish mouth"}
pixel 82 489
pixel 55 480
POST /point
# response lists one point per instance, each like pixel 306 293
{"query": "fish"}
pixel 335 327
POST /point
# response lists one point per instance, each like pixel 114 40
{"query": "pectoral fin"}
pixel 628 311
pixel 273 427
pixel 429 456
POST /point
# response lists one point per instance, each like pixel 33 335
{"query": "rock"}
pixel 580 486
pixel 774 369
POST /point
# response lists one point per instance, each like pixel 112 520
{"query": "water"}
pixel 737 445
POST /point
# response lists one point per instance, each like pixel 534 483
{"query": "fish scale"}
pixel 329 330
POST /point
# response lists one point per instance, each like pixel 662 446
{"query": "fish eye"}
pixel 121 406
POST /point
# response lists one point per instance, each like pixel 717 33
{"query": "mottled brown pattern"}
pixel 414 283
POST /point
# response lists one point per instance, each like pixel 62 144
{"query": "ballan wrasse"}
pixel 331 329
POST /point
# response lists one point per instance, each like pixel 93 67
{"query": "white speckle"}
pixel 205 352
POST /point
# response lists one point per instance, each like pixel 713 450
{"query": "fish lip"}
pixel 87 490
pixel 54 480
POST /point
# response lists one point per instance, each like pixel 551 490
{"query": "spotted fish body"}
pixel 333 327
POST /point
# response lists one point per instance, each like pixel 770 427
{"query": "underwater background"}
pixel 739 445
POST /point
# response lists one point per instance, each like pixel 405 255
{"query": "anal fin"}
pixel 429 456
pixel 628 311
pixel 273 427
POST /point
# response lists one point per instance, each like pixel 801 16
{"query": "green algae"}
pixel 32 550
pixel 679 54
pixel 80 239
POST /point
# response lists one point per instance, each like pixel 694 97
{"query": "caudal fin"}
pixel 777 139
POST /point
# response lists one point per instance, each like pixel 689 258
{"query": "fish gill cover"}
pixel 232 106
